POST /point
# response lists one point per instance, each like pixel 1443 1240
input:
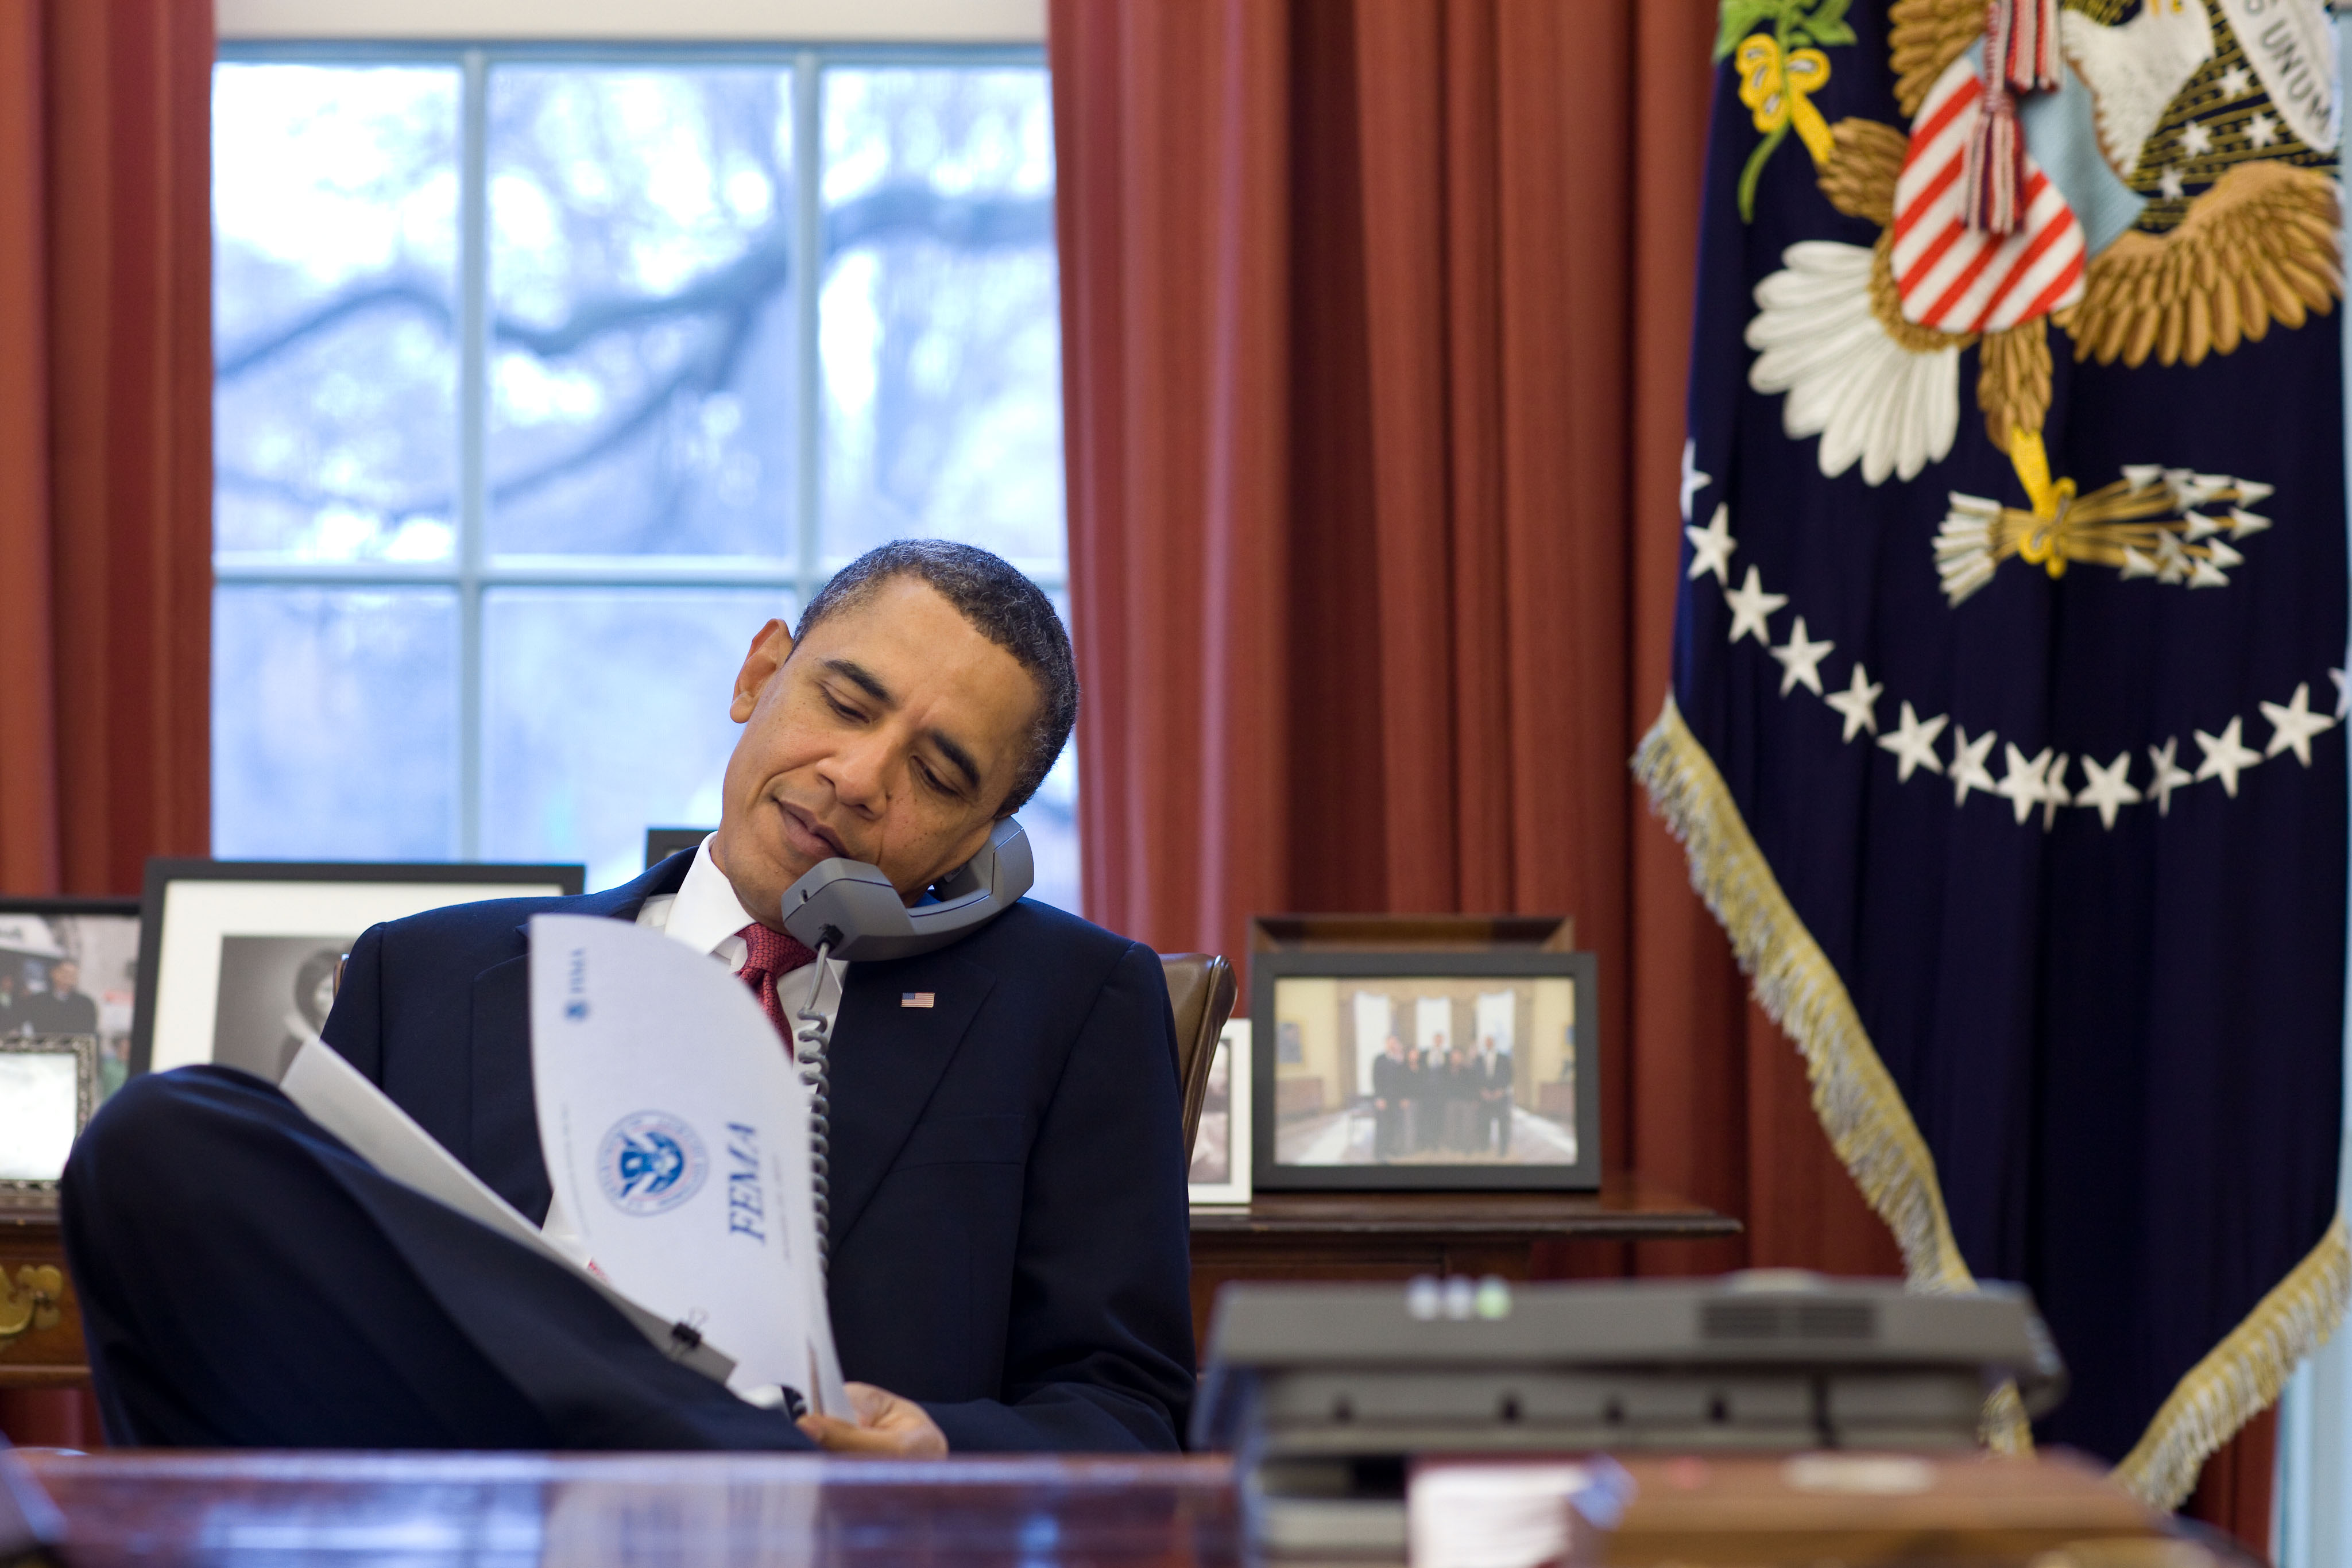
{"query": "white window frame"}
pixel 471 571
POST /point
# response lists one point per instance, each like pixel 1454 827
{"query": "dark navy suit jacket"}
pixel 1009 1230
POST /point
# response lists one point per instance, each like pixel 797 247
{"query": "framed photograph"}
pixel 663 842
pixel 48 1091
pixel 238 958
pixel 71 966
pixel 1456 1071
pixel 1221 1144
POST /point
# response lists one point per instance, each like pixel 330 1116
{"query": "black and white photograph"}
pixel 275 995
pixel 1414 1076
pixel 237 958
pixel 71 966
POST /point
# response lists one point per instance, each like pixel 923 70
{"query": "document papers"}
pixel 676 1134
pixel 339 1097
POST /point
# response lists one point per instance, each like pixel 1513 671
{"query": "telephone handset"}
pixel 851 907
pixel 847 909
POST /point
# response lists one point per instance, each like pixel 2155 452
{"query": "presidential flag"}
pixel 2006 729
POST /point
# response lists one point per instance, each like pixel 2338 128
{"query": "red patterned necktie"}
pixel 774 954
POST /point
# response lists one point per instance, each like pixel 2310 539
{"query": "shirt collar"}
pixel 706 913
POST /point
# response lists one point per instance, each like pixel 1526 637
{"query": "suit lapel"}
pixel 887 1060
pixel 505 1152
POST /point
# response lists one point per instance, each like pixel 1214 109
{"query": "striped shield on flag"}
pixel 1953 278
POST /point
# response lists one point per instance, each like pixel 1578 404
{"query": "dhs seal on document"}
pixel 650 1163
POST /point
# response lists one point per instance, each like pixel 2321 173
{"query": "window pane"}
pixel 1051 820
pixel 940 334
pixel 335 219
pixel 606 715
pixel 644 389
pixel 334 724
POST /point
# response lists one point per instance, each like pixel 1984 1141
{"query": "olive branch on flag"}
pixel 1778 73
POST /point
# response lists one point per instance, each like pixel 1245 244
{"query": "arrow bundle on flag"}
pixel 2009 748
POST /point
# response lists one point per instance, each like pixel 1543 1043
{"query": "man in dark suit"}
pixel 1008 1213
pixel 64 1008
pixel 1388 1077
pixel 1495 1093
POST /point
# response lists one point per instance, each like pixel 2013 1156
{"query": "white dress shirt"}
pixel 706 915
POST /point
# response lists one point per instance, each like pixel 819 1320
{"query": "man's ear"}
pixel 771 646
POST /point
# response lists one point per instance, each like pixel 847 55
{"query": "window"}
pixel 529 413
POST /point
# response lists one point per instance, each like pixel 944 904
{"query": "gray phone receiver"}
pixel 850 907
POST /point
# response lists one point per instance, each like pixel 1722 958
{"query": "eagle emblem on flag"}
pixel 2040 862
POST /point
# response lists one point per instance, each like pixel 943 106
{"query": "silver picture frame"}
pixel 42 1110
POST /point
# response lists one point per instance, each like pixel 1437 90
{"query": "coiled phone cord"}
pixel 811 1045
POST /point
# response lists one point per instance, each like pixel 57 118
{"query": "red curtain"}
pixel 1376 314
pixel 1376 326
pixel 105 461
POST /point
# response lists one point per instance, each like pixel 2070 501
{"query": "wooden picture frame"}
pixel 1460 1119
pixel 252 919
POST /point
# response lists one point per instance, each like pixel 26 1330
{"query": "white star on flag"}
pixel 1751 607
pixel 2024 785
pixel 2292 723
pixel 2169 183
pixel 1859 703
pixel 1711 547
pixel 1913 743
pixel 1693 480
pixel 2053 792
pixel 2343 692
pixel 2195 140
pixel 1800 660
pixel 2107 788
pixel 2262 129
pixel 2169 774
pixel 2225 757
pixel 2234 82
pixel 1968 764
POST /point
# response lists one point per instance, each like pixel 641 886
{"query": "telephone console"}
pixel 1325 1392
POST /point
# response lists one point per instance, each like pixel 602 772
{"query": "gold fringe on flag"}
pixel 1860 1108
pixel 2240 1377
pixel 1872 1130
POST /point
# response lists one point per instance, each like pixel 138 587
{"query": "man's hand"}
pixel 886 1424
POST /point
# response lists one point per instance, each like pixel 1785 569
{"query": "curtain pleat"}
pixel 105 465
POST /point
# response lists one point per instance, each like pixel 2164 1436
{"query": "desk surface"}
pixel 1624 1209
pixel 755 1510
pixel 744 1510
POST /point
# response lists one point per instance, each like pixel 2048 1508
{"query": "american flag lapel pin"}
pixel 916 999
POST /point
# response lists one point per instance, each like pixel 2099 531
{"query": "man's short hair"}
pixel 1002 606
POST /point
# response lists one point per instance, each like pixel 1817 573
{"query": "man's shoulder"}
pixel 493 928
pixel 1032 935
pixel 493 920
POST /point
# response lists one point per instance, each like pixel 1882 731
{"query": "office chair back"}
pixel 1200 992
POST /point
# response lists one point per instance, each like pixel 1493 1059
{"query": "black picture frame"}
pixel 163 871
pixel 1267 969
pixel 663 842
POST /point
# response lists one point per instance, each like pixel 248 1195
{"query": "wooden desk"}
pixel 1394 1236
pixel 752 1510
pixel 747 1510
pixel 47 1356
